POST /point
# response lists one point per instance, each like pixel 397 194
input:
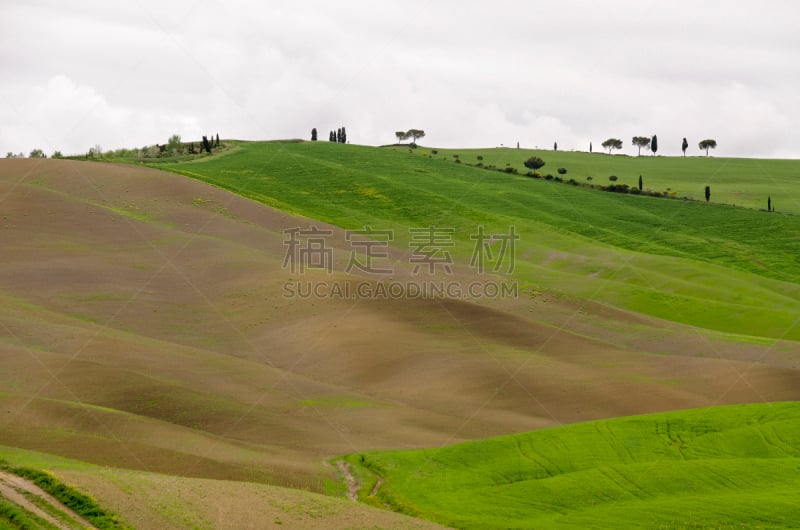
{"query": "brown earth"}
pixel 143 325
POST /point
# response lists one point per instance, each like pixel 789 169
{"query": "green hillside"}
pixel 735 181
pixel 722 467
pixel 724 268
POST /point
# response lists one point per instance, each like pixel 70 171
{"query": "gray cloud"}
pixel 469 73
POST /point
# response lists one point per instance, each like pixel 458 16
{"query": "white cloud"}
pixel 469 73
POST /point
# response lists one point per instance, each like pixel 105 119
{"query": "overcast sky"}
pixel 470 73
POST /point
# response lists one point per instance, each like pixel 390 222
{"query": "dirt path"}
pixel 376 487
pixel 349 479
pixel 11 486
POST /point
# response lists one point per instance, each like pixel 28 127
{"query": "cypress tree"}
pixel 640 183
pixel 708 193
pixel 654 144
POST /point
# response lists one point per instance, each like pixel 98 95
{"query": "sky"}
pixel 469 73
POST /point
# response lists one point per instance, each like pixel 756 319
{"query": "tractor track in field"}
pixel 16 489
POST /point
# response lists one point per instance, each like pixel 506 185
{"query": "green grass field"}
pixel 722 467
pixel 713 266
pixel 735 181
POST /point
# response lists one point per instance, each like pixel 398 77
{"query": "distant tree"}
pixel 344 136
pixel 314 134
pixel 534 163
pixel 684 146
pixel 555 146
pixel 640 183
pixel 57 154
pixel 174 144
pixel 401 135
pixel 339 135
pixel 206 144
pixel 769 203
pixel 10 155
pixel 37 153
pixel 217 142
pixel 332 136
pixel 480 158
pixel 562 171
pixel 707 144
pixel 612 178
pixel 517 145
pixel 654 144
pixel 414 134
pixel 640 141
pixel 590 147
pixel 612 143
pixel 708 193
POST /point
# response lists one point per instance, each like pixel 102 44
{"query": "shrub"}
pixel 534 162
pixel 510 170
pixel 558 179
pixel 458 160
pixel 548 177
pixel 479 164
pixel 562 171
pixel 435 151
pixel 480 157
pixel 573 182
pixel 589 178
pixel 612 178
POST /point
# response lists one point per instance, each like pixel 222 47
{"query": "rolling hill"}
pixel 723 467
pixel 146 324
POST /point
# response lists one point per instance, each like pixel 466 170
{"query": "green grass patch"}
pixel 13 517
pixel 733 466
pixel 338 402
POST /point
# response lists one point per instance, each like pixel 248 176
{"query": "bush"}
pixel 435 151
pixel 562 171
pixel 589 178
pixel 458 160
pixel 480 157
pixel 534 162
pixel 573 182
pixel 612 178
pixel 548 177
pixel 511 170
pixel 479 164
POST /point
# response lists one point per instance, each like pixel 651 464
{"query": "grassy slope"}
pixel 719 467
pixel 723 268
pixel 151 500
pixel 740 181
